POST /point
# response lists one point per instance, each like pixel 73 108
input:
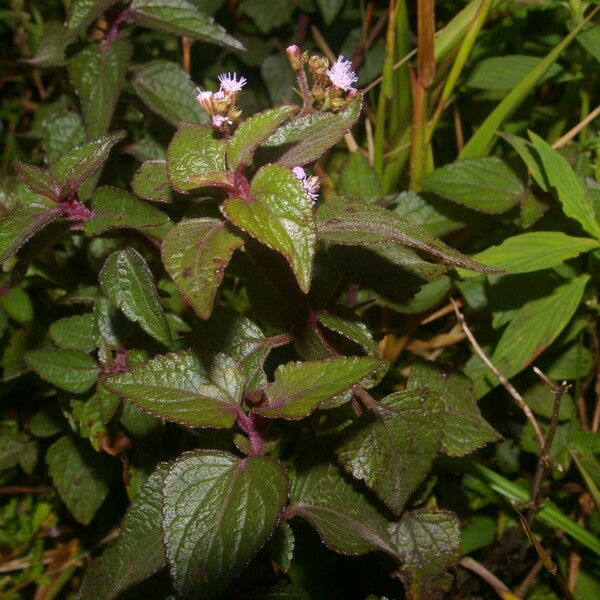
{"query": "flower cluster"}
pixel 332 86
pixel 310 184
pixel 221 105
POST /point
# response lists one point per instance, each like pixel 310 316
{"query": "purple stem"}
pixel 113 32
pixel 250 425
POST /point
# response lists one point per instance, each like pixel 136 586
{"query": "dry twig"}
pixel 503 380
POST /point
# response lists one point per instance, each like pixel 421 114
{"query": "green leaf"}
pixel 139 551
pixel 268 14
pixel 392 449
pixel 346 521
pixel 300 387
pixel 241 500
pixel 114 208
pixel 329 9
pixel 127 282
pixel 311 135
pixel 24 222
pixel 483 138
pixel 98 75
pixel 429 541
pixel 81 476
pixel 77 164
pixel 529 156
pixel 151 181
pixel 195 254
pixel 252 133
pixel 194 151
pixel 359 179
pixel 505 72
pixel 350 326
pixel 181 18
pixel 590 40
pixel 464 428
pixel 61 134
pixel 166 89
pixel 51 48
pixel 280 216
pixel 281 546
pixel 75 333
pixel 177 387
pixel 571 192
pixel 38 180
pixel 354 222
pixel 536 325
pixel 17 304
pixel 236 335
pixel 69 370
pixel 534 251
pixel 80 13
pixel 485 184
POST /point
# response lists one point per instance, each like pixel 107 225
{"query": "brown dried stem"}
pixel 503 380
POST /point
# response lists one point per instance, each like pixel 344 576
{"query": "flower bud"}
pixel 294 57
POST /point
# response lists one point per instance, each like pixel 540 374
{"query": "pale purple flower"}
pixel 230 84
pixel 205 100
pixel 310 184
pixel 218 120
pixel 341 74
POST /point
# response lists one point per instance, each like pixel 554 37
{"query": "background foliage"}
pixel 422 487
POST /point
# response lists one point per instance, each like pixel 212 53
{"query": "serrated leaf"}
pixel 354 222
pixel 17 304
pixel 464 428
pixel 194 152
pixel 485 184
pixel 311 135
pixel 252 133
pixel 536 325
pixel 78 332
pixel 151 181
pixel 61 134
pixel 127 282
pixel 181 18
pixel 300 387
pixel 429 541
pixel 280 216
pixel 81 476
pixel 23 222
pixel 114 208
pixel 80 13
pixel 350 326
pixel 69 370
pixel 236 335
pixel 195 254
pixel 166 89
pixel 571 192
pixel 84 160
pixel 139 551
pixel 346 521
pixel 98 74
pixel 359 179
pixel 38 180
pixel 51 49
pixel 240 501
pixel 177 387
pixel 268 14
pixel 534 251
pixel 392 449
pixel 281 546
pixel 329 9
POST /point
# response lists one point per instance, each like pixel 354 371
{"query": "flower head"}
pixel 341 74
pixel 310 184
pixel 205 100
pixel 230 84
pixel 220 120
